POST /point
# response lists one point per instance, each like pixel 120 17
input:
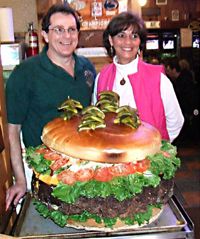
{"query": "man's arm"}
pixel 18 189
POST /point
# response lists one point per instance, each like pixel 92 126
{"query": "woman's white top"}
pixel 173 113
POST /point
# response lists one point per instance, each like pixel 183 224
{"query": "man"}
pixel 187 93
pixel 40 84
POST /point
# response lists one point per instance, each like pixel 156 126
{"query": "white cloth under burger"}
pixel 173 113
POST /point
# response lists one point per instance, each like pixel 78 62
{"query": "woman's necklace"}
pixel 122 81
pixel 122 76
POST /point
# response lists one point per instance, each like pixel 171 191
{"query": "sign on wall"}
pixel 186 37
pixel 96 14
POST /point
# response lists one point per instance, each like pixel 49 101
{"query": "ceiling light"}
pixel 142 2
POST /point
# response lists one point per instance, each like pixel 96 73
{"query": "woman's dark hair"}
pixel 120 23
pixel 59 8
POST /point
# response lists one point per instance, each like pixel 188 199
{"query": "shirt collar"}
pixel 129 68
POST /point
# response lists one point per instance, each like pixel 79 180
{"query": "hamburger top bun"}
pixel 117 143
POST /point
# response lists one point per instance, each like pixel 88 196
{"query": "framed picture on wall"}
pixel 161 2
pixel 175 15
pixel 96 9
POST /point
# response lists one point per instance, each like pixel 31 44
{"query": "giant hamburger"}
pixel 101 168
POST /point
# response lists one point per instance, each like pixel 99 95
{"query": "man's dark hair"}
pixel 120 23
pixel 173 63
pixel 59 8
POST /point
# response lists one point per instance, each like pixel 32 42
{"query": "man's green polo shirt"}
pixel 37 87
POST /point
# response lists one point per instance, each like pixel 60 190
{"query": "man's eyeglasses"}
pixel 61 30
pixel 122 36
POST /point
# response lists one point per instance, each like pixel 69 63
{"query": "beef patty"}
pixel 109 206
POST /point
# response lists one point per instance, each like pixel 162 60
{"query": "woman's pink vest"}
pixel 146 87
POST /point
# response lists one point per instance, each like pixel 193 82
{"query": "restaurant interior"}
pixel 173 30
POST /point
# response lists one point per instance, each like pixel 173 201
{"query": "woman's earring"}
pixel 111 51
pixel 138 52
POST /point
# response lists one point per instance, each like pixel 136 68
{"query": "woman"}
pixel 41 83
pixel 140 85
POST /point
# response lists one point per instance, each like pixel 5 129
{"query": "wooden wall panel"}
pixel 188 11
pixel 5 167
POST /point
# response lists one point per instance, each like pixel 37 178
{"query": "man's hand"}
pixel 15 193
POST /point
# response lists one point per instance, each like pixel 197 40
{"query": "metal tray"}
pixel 172 223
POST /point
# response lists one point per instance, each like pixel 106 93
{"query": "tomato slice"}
pixel 166 154
pixel 147 163
pixel 131 168
pixel 59 163
pixel 67 177
pixel 118 170
pixel 52 156
pixel 102 174
pixel 49 154
pixel 42 150
pixel 142 165
pixel 84 175
pixel 122 169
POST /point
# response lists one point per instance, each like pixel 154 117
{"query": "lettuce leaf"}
pixel 37 161
pixel 120 187
pixel 162 165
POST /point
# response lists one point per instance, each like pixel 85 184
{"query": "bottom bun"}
pixel 92 225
